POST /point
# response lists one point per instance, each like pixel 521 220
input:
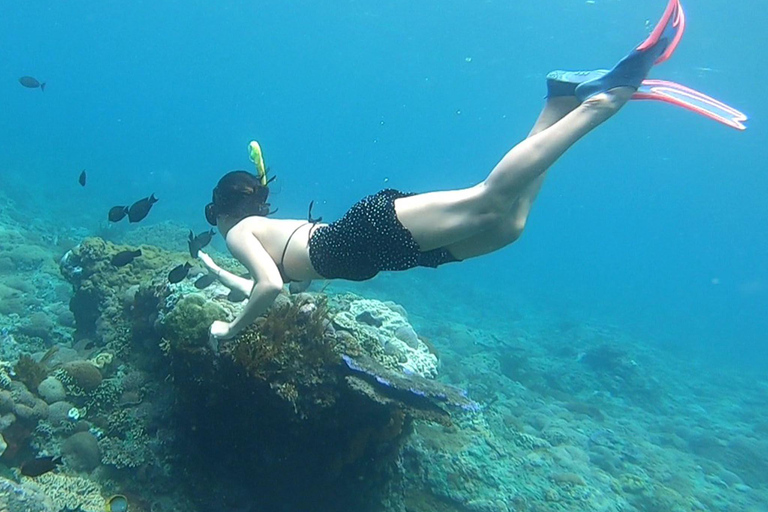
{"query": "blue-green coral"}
pixel 186 326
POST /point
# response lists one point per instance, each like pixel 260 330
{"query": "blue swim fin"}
pixel 634 68
pixel 563 83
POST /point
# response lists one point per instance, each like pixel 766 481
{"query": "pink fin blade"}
pixel 671 24
pixel 690 99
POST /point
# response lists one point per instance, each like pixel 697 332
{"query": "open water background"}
pixel 656 222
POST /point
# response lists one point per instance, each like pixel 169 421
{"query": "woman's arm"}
pixel 248 250
pixel 228 279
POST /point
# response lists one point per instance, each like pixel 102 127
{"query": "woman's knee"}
pixel 508 231
pixel 516 226
pixel 492 204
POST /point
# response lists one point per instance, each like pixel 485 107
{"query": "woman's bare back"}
pixel 287 243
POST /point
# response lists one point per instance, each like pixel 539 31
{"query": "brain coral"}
pixel 187 325
pixel 387 323
pixel 52 390
pixel 58 413
pixel 81 451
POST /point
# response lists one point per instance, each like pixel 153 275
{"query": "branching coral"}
pixel 5 378
pixel 119 423
pixel 104 397
pixel 73 390
pixel 129 452
pixel 70 492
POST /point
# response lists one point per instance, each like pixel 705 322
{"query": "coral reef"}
pixel 81 451
pixel 83 374
pixel 126 448
pixel 186 325
pixel 18 497
pixel 67 492
pixel 30 372
pixel 337 403
pixel 384 330
pixel 98 298
pixel 321 422
pixel 51 390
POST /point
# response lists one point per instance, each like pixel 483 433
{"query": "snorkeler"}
pixel 392 230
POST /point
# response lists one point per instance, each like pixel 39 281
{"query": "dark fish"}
pixel 140 208
pixel 236 296
pixel 178 274
pixel 40 466
pixel 123 258
pixel 81 179
pixel 117 213
pixel 298 286
pixel 205 281
pixel 197 242
pixel 32 83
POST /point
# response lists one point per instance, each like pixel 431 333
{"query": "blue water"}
pixel 655 222
pixel 652 229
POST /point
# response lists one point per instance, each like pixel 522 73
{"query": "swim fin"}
pixel 563 83
pixel 634 68
pixel 690 99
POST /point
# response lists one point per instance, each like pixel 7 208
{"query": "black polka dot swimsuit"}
pixel 369 239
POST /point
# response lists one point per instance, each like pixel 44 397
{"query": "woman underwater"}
pixel 392 230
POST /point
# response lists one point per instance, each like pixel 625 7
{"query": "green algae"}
pixel 186 326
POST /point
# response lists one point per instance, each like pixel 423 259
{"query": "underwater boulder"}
pixel 58 413
pixel 83 374
pixel 51 390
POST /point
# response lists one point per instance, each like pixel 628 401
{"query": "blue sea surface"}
pixel 654 224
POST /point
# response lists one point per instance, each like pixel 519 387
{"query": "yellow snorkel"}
pixel 254 152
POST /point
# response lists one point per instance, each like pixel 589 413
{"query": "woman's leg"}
pixel 443 219
pixel 509 228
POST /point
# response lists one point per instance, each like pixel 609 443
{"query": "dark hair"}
pixel 239 194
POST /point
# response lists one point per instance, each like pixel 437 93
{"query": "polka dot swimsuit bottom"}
pixel 369 239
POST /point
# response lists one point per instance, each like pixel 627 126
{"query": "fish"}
pixel 117 213
pixel 40 466
pixel 236 296
pixel 32 83
pixel 179 273
pixel 138 210
pixel 197 242
pixel 81 179
pixel 117 503
pixel 298 286
pixel 205 281
pixel 123 258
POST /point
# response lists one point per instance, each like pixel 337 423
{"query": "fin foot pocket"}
pixel 634 68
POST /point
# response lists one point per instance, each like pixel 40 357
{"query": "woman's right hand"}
pixel 208 261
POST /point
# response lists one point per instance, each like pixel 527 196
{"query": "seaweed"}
pixel 30 372
pixel 290 339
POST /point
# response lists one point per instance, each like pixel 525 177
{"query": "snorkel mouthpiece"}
pixel 254 151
